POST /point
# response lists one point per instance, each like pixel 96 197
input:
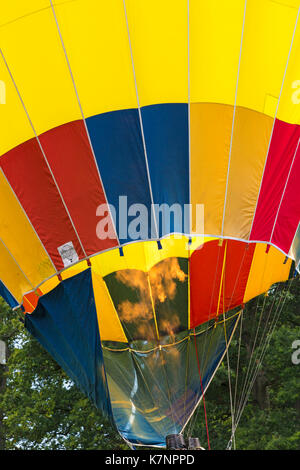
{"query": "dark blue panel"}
pixel 118 146
pixel 65 323
pixel 166 135
pixel 6 295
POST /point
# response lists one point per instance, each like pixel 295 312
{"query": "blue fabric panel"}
pixel 7 296
pixel 167 141
pixel 117 142
pixel 65 323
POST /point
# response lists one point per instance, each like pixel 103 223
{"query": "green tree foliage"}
pixel 40 408
pixel 270 420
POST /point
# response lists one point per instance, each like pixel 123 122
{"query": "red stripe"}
pixel 29 176
pixel 206 288
pixel 281 153
pixel 69 154
pixel 205 277
pixel 289 212
pixel 236 271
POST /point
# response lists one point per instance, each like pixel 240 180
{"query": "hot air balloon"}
pixel 118 119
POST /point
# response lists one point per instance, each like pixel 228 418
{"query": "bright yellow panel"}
pixel 14 125
pixel 289 106
pixel 142 255
pixel 73 270
pixel 159 37
pixel 12 11
pixel 135 257
pixel 12 276
pixel 110 261
pixel 267 37
pixel 95 37
pixel 34 55
pixel 49 285
pixel 109 324
pixel 209 160
pixel 215 35
pixel 215 40
pixel 20 238
pixel 266 269
pixel 249 150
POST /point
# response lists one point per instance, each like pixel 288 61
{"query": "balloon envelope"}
pixel 121 122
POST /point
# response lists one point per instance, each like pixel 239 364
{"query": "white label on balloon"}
pixel 68 254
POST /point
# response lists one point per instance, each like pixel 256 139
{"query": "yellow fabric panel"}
pixel 14 125
pixel 174 245
pixel 20 238
pixel 12 11
pixel 268 32
pixel 251 137
pixel 33 52
pixel 144 255
pixel 49 285
pixel 266 269
pixel 12 276
pixel 289 106
pixel 159 37
pixel 210 142
pixel 95 37
pixel 110 261
pixel 215 39
pixel 215 35
pixel 109 324
pixel 73 270
pixel 140 255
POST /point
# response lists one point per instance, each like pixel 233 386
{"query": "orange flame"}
pixel 160 286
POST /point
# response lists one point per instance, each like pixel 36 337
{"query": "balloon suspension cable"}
pixel 210 313
pixel 194 416
pixel 210 316
pixel 202 391
pixel 245 382
pixel 232 440
pixel 264 343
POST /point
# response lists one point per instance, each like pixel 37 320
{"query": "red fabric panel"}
pixel 281 153
pixel 289 212
pixel 205 278
pixel 237 267
pixel 29 176
pixel 69 154
pixel 30 301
